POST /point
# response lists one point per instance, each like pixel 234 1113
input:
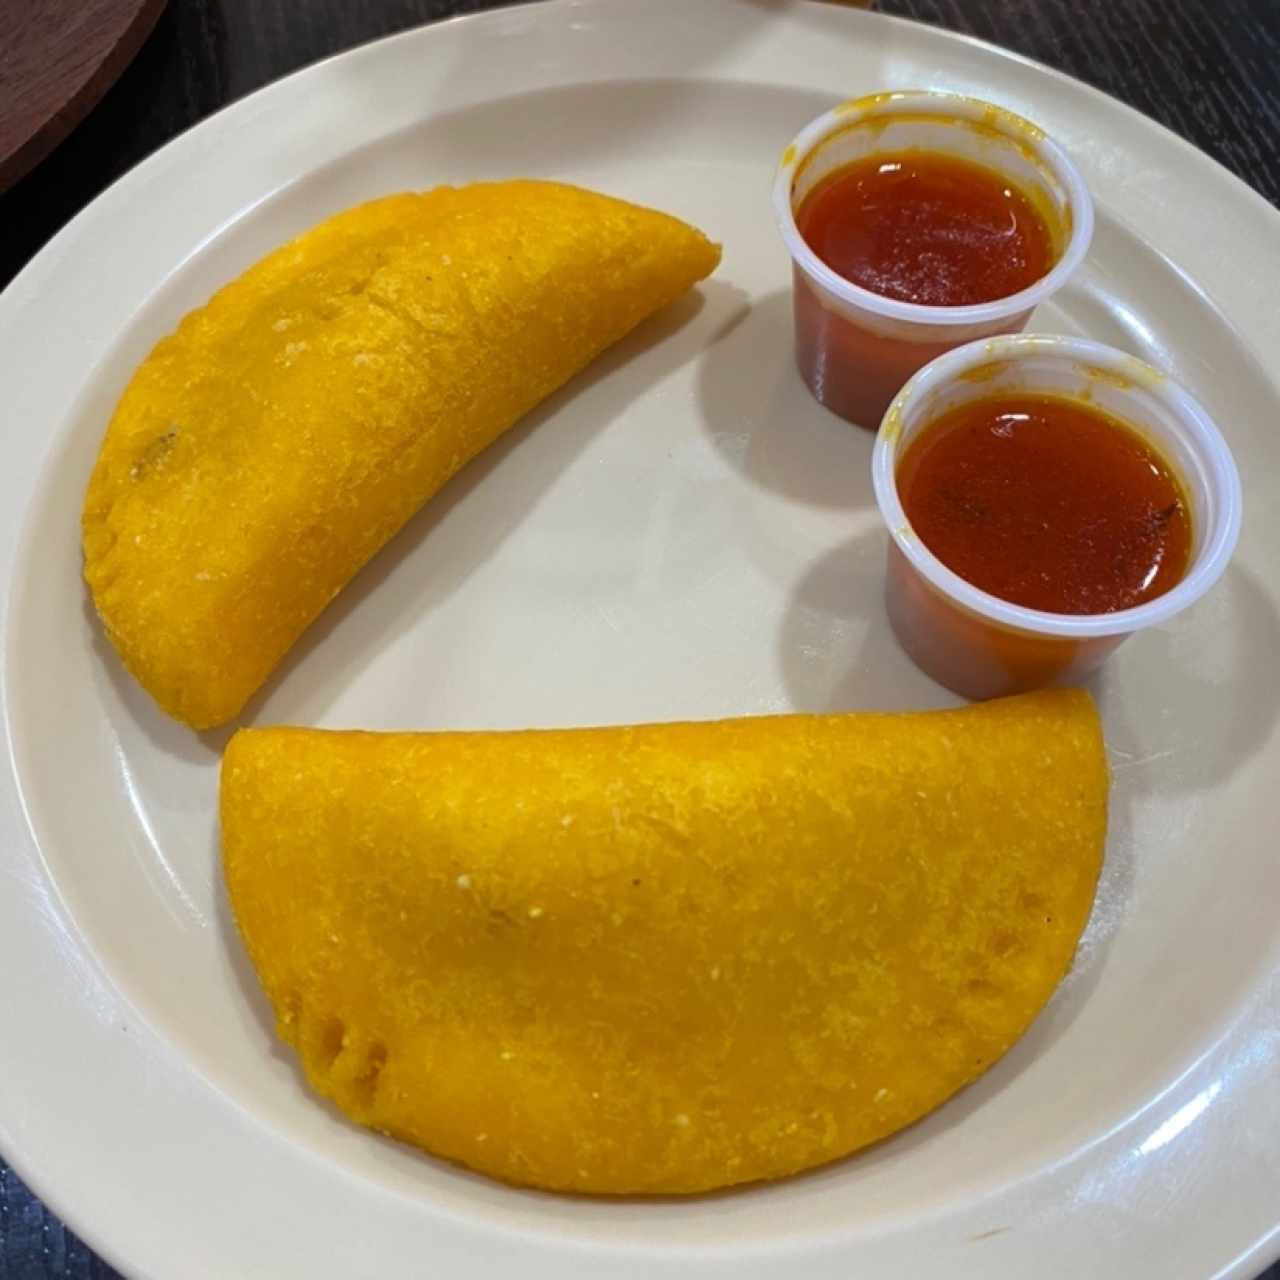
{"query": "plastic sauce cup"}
pixel 981 646
pixel 856 348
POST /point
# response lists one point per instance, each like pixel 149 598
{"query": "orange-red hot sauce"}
pixel 1047 503
pixel 924 227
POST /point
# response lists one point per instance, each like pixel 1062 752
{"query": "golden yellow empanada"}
pixel 265 450
pixel 670 957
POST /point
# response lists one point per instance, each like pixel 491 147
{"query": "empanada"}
pixel 669 957
pixel 264 451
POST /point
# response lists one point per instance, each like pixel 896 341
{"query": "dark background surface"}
pixel 1208 69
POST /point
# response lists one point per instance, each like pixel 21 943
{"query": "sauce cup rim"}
pixel 962 107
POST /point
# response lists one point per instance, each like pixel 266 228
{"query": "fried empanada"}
pixel 664 958
pixel 272 444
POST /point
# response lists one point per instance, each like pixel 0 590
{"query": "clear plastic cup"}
pixel 856 348
pixel 981 646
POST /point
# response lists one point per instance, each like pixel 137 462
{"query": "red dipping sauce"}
pixel 928 228
pixel 1047 503
pixel 914 226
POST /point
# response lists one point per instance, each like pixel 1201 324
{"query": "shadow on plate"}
pixel 761 417
pixel 836 651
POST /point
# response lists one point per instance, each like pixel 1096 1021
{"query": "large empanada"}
pixel 670 957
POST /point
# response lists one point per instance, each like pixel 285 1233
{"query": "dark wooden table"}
pixel 1209 69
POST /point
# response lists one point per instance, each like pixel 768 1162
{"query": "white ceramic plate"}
pixel 681 533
